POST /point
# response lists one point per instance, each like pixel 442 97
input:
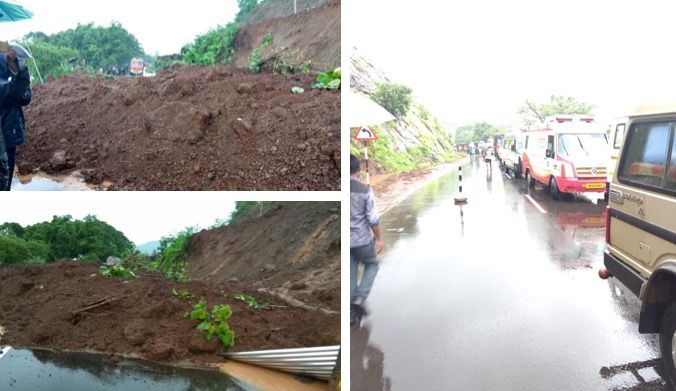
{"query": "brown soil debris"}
pixel 189 128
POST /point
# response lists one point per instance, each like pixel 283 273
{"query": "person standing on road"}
pixel 489 158
pixel 365 240
pixel 17 95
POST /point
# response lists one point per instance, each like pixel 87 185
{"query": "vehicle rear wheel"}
pixel 530 180
pixel 517 170
pixel 668 342
pixel 554 189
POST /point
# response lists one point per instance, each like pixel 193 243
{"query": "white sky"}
pixel 471 61
pixel 141 216
pixel 162 27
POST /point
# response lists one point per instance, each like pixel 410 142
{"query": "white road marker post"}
pixel 460 199
pixel 366 162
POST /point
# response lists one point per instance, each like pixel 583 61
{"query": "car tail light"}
pixel 607 224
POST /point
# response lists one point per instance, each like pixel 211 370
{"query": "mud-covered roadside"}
pixel 46 306
pixel 189 128
pixel 391 189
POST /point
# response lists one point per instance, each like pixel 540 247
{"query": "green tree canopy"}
pixel 533 112
pixel 88 238
pixel 99 46
pixel 14 249
pixel 52 60
pixel 395 98
pixel 479 131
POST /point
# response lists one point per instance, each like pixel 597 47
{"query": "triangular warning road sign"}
pixel 366 134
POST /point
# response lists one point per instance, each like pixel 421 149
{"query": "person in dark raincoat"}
pixel 15 93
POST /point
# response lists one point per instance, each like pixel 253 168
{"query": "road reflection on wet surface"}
pixel 42 182
pixel 509 300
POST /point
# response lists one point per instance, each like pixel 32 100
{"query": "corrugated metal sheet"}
pixel 317 362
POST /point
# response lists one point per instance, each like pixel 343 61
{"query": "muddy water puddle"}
pixel 44 182
pixel 28 370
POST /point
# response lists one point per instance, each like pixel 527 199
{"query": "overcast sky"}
pixel 161 27
pixel 473 61
pixel 141 216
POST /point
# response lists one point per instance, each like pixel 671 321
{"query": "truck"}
pixel 136 66
pixel 568 155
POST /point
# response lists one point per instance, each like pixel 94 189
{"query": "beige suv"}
pixel 641 223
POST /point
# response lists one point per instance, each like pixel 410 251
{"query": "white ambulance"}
pixel 568 155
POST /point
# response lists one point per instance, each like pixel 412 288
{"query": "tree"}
pixel 89 238
pixel 11 229
pixel 479 131
pixel 17 250
pixel 245 6
pixel 215 47
pixel 395 98
pixel 51 60
pixel 533 112
pixel 99 46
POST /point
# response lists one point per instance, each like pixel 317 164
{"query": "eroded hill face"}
pixel 291 250
pixel 310 37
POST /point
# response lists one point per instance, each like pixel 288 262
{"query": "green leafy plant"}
pixel 329 80
pixel 255 60
pixel 249 300
pixel 214 323
pixel 182 294
pixel 116 271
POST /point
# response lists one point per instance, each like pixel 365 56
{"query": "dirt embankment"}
pixel 189 128
pixel 309 37
pixel 289 257
pixel 391 189
pixel 291 250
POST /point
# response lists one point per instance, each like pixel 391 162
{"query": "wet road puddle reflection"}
pixel 635 376
pixel 42 182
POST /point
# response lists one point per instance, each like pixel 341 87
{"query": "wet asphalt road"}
pixel 509 300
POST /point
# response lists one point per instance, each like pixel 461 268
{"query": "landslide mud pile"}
pixel 41 306
pixel 291 250
pixel 287 256
pixel 189 128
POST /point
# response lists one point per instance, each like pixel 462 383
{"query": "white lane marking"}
pixel 536 204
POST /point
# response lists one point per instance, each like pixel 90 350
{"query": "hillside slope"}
pixel 416 140
pixel 310 38
pixel 292 250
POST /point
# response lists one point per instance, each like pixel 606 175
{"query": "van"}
pixel 510 153
pixel 567 155
pixel 641 223
pixel 617 129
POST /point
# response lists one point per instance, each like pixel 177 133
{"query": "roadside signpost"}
pixel 366 134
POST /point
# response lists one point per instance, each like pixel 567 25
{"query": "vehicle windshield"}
pixel 583 145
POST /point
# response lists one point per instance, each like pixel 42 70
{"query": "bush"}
pixel 17 250
pixel 172 254
pixel 395 98
pixel 216 46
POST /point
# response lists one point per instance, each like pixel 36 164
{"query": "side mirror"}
pixel 549 154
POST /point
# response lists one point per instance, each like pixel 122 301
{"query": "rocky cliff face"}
pixel 417 131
